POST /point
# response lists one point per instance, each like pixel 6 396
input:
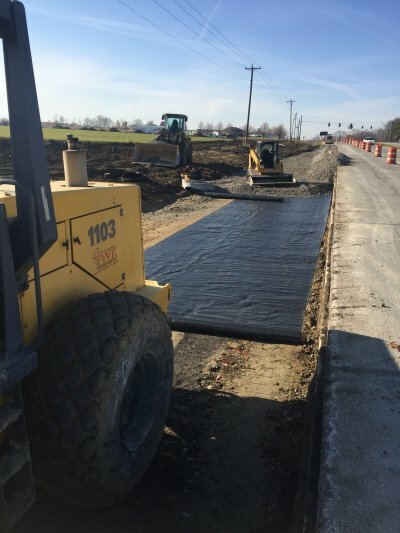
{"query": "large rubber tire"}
pixel 190 154
pixel 97 405
pixel 183 152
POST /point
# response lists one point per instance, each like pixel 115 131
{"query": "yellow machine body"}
pixel 172 147
pixel 256 166
pixel 99 248
pixel 265 168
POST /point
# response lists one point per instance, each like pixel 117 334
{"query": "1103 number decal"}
pixel 101 232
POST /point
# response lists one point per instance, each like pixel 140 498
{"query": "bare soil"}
pixel 232 453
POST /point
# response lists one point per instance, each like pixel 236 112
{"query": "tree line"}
pixel 264 129
pixel 389 132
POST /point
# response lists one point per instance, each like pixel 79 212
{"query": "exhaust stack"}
pixel 75 167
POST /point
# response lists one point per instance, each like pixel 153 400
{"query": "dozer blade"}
pixel 157 153
pixel 271 180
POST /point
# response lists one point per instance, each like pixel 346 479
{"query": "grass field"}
pixel 99 136
pixel 395 145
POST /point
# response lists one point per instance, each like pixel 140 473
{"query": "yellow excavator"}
pixel 265 167
pixel 173 147
pixel 86 356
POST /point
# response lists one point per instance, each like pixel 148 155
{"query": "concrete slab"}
pixel 359 487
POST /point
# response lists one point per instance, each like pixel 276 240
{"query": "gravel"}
pixel 313 172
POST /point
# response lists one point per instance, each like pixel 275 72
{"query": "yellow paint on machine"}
pixel 99 247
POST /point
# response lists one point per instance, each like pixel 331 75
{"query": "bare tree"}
pixel 209 126
pixel 88 122
pixel 264 128
pixel 150 122
pixel 229 125
pixel 201 125
pixel 280 131
pixel 219 126
pixel 252 129
pixel 137 121
pixel 103 122
pixel 392 130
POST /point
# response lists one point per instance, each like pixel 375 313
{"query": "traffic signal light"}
pixel 329 124
pixel 370 127
pixel 362 127
pixel 340 124
pixel 350 126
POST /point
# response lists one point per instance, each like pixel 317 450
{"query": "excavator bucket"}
pixel 157 153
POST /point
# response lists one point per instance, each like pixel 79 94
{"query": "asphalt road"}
pixel 360 465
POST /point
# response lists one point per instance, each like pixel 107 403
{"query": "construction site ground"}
pixel 233 453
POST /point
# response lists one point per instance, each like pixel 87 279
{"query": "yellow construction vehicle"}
pixel 86 357
pixel 171 148
pixel 265 167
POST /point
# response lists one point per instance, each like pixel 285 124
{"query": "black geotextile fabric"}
pixel 244 271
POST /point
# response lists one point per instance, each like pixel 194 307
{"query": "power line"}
pixel 172 36
pixel 230 45
pixel 195 33
pixel 343 122
pixel 204 27
pixel 272 87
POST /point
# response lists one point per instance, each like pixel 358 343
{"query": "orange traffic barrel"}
pixel 378 150
pixel 364 146
pixel 368 147
pixel 391 156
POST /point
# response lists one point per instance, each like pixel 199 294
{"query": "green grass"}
pixel 395 145
pixel 99 136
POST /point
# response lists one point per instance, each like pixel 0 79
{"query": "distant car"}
pixel 329 139
pixel 369 140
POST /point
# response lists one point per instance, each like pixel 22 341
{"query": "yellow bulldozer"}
pixel 265 167
pixel 86 357
pixel 172 147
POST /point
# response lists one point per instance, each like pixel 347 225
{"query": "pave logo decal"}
pixel 105 258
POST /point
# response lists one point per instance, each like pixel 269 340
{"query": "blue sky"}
pixel 339 60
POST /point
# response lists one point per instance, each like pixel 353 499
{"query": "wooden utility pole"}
pixel 294 126
pixel 251 90
pixel 390 131
pixel 291 102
